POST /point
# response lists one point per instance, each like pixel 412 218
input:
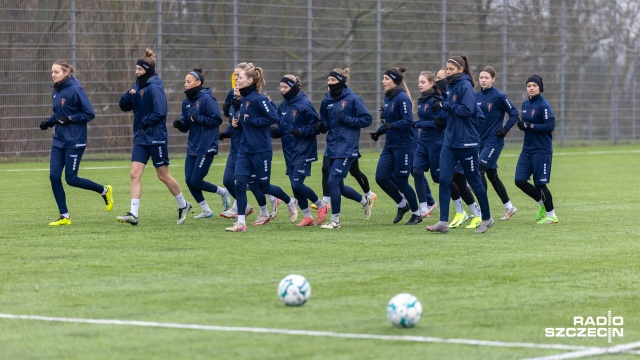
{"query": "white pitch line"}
pixel 424 339
pixel 617 349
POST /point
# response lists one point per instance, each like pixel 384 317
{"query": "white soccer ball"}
pixel 404 310
pixel 294 290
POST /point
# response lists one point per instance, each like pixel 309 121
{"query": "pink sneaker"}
pixel 307 221
pixel 262 220
pixel 322 214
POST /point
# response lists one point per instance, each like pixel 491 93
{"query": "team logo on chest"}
pixel 198 104
pixel 454 98
pixel 489 106
pixel 426 106
pixel 63 101
pixel 294 113
pixel 141 93
pixel 344 103
pixel 533 112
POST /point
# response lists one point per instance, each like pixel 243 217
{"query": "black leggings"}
pixel 460 189
pixel 355 171
pixel 497 184
pixel 537 193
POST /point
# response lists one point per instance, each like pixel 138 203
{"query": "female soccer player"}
pixel 429 144
pixel 256 116
pixel 298 119
pixel 461 141
pixel 148 102
pixel 342 115
pixel 201 119
pixel 399 148
pixel 494 105
pixel 72 111
pixel 460 190
pixel 537 123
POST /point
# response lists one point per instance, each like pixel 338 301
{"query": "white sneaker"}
pixel 331 225
pixel 509 213
pixel 293 212
pixel 204 215
pixel 226 201
pixel 229 214
pixel 367 208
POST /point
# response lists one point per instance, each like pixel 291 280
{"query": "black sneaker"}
pixel 182 213
pixel 415 220
pixel 401 212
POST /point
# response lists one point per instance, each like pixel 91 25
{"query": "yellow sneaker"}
pixel 108 198
pixel 459 219
pixel 62 221
pixel 475 221
pixel 545 220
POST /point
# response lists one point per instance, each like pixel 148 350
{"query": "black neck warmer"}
pixel 247 90
pixel 59 84
pixel 390 94
pixel 293 92
pixel 336 89
pixel 191 93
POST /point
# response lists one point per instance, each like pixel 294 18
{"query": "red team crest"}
pixel 426 106
pixel 533 112
pixel 454 98
pixel 489 106
pixel 197 104
pixel 63 101
pixel 344 103
pixel 294 113
pixel 141 93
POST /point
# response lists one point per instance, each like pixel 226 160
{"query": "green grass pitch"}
pixel 505 286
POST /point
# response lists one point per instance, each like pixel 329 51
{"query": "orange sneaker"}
pixel 322 214
pixel 307 221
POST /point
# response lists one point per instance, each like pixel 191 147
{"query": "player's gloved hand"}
pixel 63 120
pixel 144 126
pixel 192 119
pixel 502 132
pixel 439 122
pixel 223 135
pixel 295 132
pixel 374 136
pixel 437 105
pixel 44 125
pixel 321 128
pixel 524 125
pixel 274 132
pixel 177 124
pixel 225 108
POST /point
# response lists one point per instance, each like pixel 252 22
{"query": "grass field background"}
pixel 507 285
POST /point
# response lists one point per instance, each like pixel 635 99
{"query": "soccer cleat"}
pixel 230 214
pixel 237 227
pixel 401 212
pixel 331 225
pixel 183 213
pixel 374 197
pixel 414 220
pixel 545 220
pixel 484 226
pixel 474 223
pixel 62 221
pixel 509 213
pixel 322 214
pixel 427 214
pixel 262 220
pixel 248 211
pixel 459 219
pixel 367 208
pixel 128 218
pixel 226 201
pixel 204 215
pixel 293 212
pixel 108 198
pixel 307 221
pixel 440 226
pixel 541 213
pixel 274 208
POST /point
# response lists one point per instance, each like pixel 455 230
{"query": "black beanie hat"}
pixel 537 80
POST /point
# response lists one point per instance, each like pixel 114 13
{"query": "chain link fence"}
pixel 586 52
